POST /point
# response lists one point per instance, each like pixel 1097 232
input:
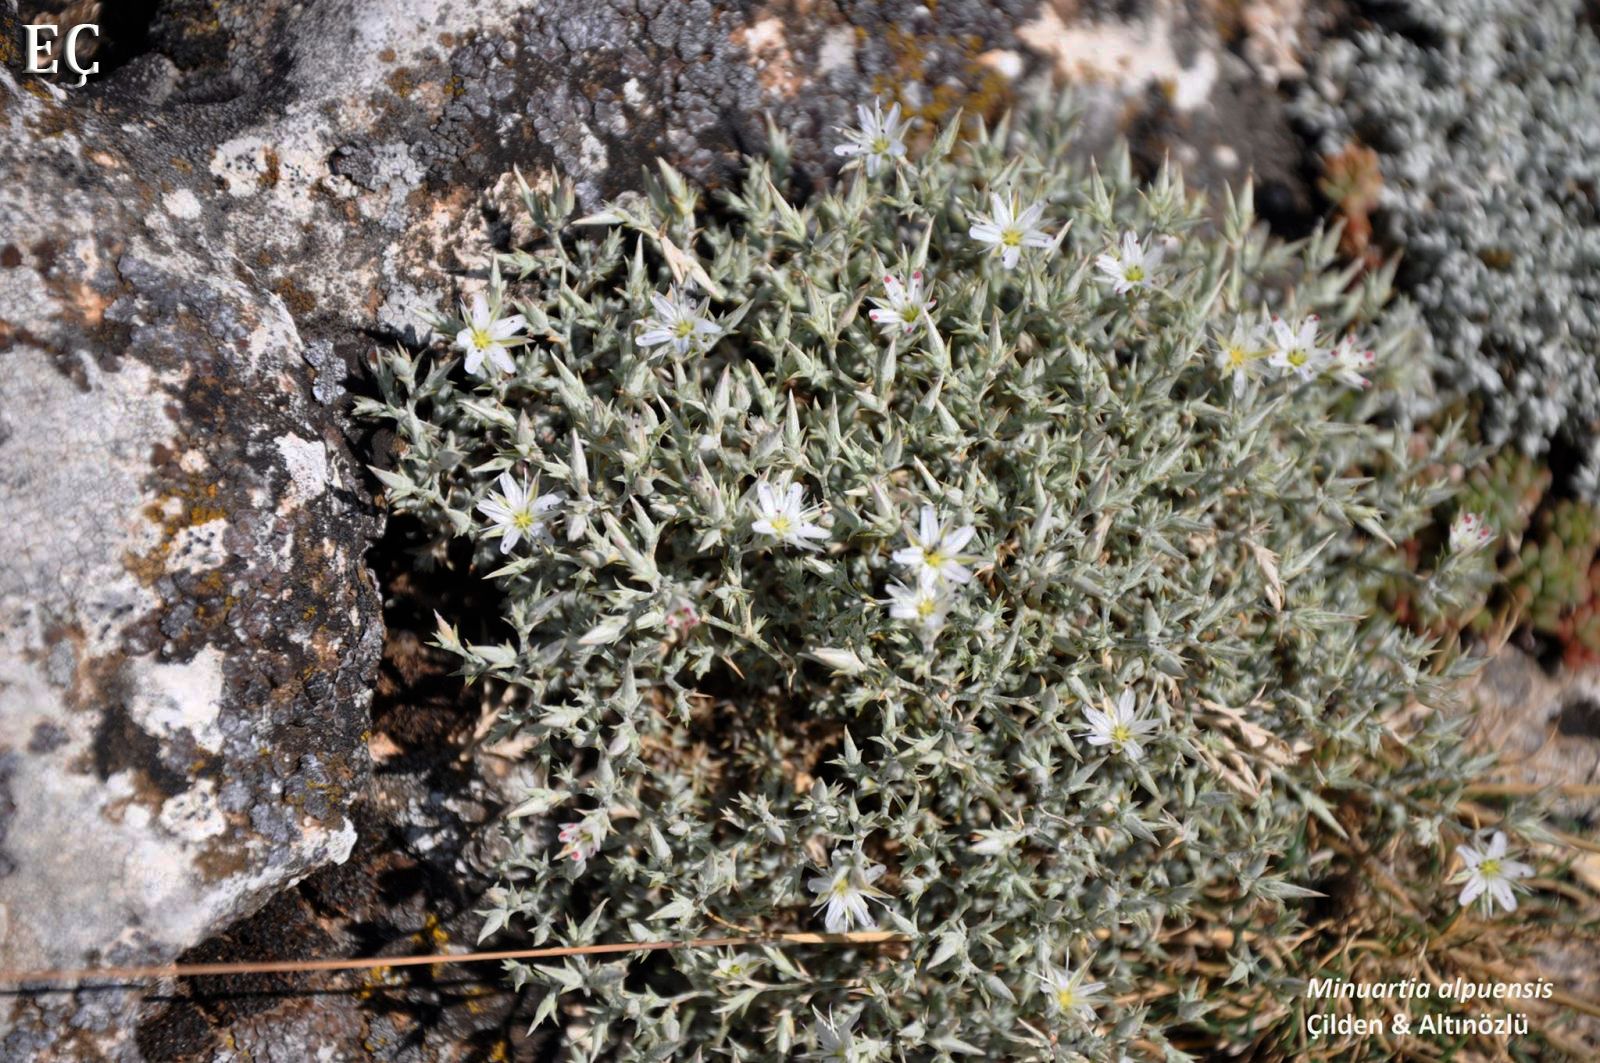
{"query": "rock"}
pixel 426 853
pixel 187 629
pixel 201 246
pixel 1545 727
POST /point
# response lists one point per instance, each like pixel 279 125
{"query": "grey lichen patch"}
pixel 181 581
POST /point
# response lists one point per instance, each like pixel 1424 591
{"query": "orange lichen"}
pixel 979 90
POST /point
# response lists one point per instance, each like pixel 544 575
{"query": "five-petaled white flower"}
pixel 903 308
pixel 1295 350
pixel 1070 995
pixel 786 517
pixel 1347 362
pixel 842 892
pixel 488 337
pixel 1120 727
pixel 1007 231
pixel 582 839
pixel 1131 267
pixel 739 965
pixel 1241 351
pixel 936 550
pixel 837 1042
pixel 517 511
pixel 880 139
pixel 1490 875
pixel 925 605
pixel 680 322
pixel 1469 533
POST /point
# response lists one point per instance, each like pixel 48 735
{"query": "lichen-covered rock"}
pixel 187 630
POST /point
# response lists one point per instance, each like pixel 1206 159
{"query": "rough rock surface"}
pixel 426 852
pixel 187 627
pixel 1546 727
pixel 198 247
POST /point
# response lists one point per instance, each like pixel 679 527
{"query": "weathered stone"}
pixel 187 628
pixel 1545 727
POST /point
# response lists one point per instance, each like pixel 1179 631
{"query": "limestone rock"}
pixel 187 628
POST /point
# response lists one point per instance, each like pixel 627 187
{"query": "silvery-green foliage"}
pixel 723 723
pixel 1486 118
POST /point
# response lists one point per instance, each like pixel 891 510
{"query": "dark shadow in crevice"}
pixel 1579 717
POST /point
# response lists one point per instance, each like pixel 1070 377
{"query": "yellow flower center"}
pixel 1011 237
pixel 1066 999
pixel 1134 273
pixel 910 312
pixel 481 339
pixel 523 520
pixel 1489 868
pixel 841 886
pixel 1121 733
pixel 780 524
pixel 933 558
pixel 1237 357
pixel 1298 357
pixel 925 608
pixel 880 145
pixel 682 329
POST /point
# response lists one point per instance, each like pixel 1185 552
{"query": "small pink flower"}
pixel 1470 533
pixel 582 839
pixel 1347 363
pixel 682 617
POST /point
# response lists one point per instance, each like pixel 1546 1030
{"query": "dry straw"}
pixel 208 970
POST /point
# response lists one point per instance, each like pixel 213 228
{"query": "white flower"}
pixel 738 966
pixel 1070 995
pixel 488 337
pixel 1469 533
pixel 582 839
pixel 936 550
pixel 1008 232
pixel 837 1042
pixel 1120 727
pixel 1130 268
pixel 879 140
pixel 926 605
pixel 1242 350
pixel 1295 350
pixel 843 890
pixel 1347 363
pixel 903 307
pixel 516 512
pixel 785 517
pixel 680 322
pixel 1490 875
